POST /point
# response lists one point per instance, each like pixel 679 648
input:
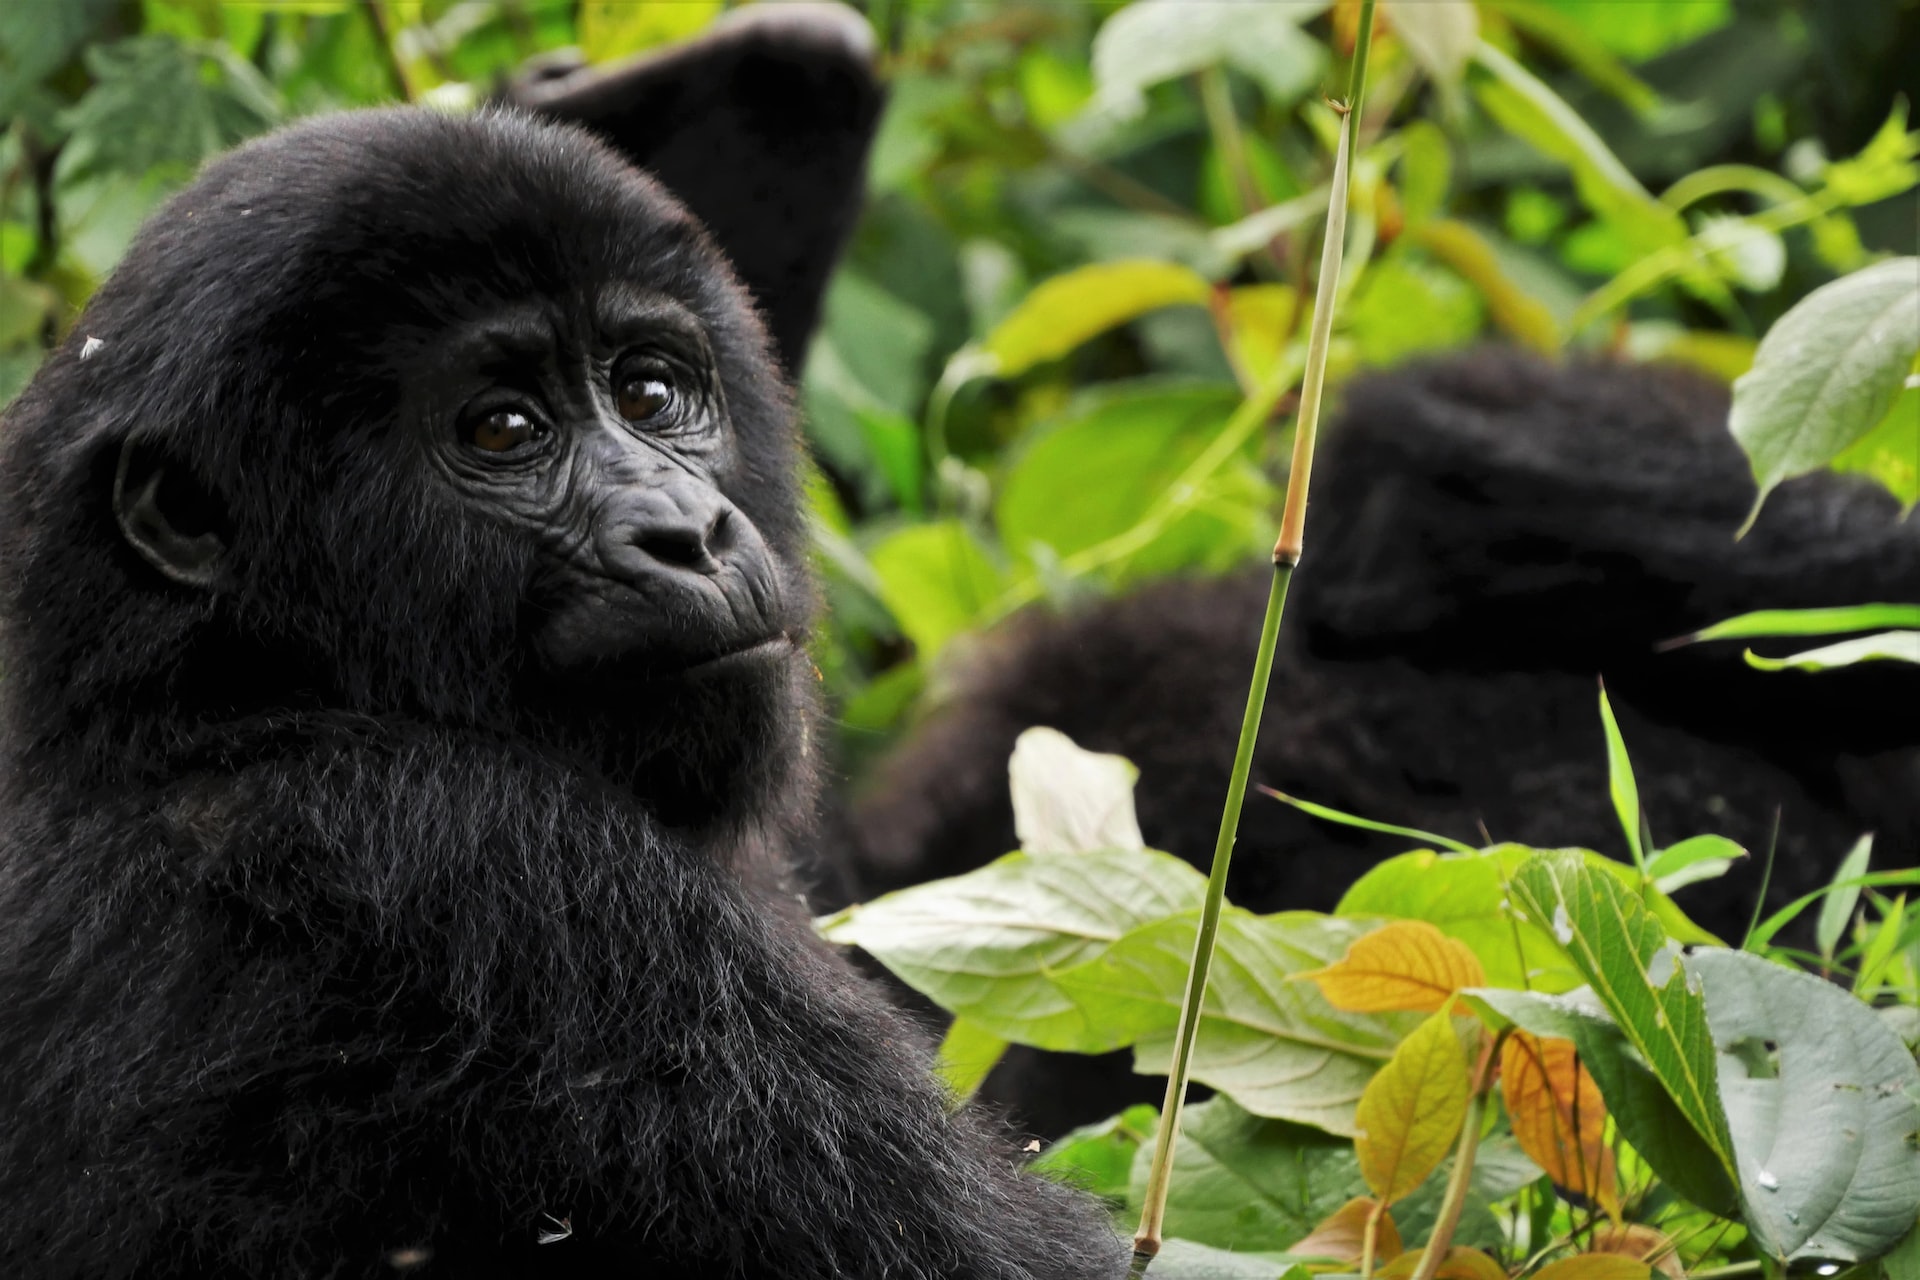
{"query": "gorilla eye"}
pixel 503 431
pixel 641 398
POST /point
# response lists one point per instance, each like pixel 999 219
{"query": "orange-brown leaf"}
pixel 1558 1116
pixel 1412 1110
pixel 1644 1243
pixel 1461 1263
pixel 1594 1266
pixel 1341 1236
pixel 1405 965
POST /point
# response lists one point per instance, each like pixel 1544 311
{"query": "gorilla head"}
pixel 376 438
pixel 403 615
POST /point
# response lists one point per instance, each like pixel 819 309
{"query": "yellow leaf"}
pixel 1642 1243
pixel 1341 1236
pixel 1411 1110
pixel 1065 311
pixel 1460 1263
pixel 1558 1116
pixel 1406 965
pixel 616 28
pixel 1524 318
pixel 1593 1266
pixel 1261 320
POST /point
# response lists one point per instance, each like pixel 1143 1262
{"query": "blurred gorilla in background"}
pixel 1488 535
pixel 403 604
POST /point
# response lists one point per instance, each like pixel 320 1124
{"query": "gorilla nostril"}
pixel 681 548
pixel 720 535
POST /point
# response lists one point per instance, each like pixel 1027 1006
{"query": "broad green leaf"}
pixel 1620 783
pixel 1426 171
pixel 1412 1109
pixel 1065 311
pixel 1404 966
pixel 161 105
pixel 1500 1169
pixel 1819 1097
pixel 1641 31
pixel 1836 909
pixel 1116 464
pixel 1827 372
pixel 1646 1113
pixel 937 581
pixel 968 1052
pixel 1440 34
pixel 1066 800
pixel 1098 1158
pixel 1808 622
pixel 1894 646
pixel 616 28
pixel 1155 40
pixel 987 946
pixel 36 40
pixel 1241 1182
pixel 1187 1260
pixel 1890 453
pixel 1511 307
pixel 1631 964
pixel 1693 860
pixel 1404 306
pixel 1570 40
pixel 1275 1046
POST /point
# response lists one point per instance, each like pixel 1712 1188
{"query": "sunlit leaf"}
pixel 937 581
pixel 1633 968
pixel 1098 1158
pixel 1890 453
pixel 1065 311
pixel 1341 1236
pixel 1412 1110
pixel 1620 784
pixel 1275 1046
pixel 1558 1116
pixel 1155 40
pixel 1404 966
pixel 1836 909
pixel 1693 860
pixel 1068 800
pixel 616 28
pixel 1517 313
pixel 1808 622
pixel 1827 372
pixel 986 945
pixel 1887 646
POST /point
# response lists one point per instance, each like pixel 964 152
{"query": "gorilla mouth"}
pixel 779 644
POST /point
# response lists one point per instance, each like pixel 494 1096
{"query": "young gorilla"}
pixel 403 601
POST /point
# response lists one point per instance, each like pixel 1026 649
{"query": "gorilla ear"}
pixel 167 517
pixel 760 126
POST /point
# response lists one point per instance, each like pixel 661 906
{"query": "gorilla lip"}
pixel 766 646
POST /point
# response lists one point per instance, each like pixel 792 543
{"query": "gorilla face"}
pixel 600 433
pixel 512 454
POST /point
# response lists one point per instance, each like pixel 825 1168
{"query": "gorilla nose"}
pixel 695 537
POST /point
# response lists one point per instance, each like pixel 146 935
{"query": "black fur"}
pixel 336 941
pixel 1487 536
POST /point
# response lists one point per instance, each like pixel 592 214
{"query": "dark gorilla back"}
pixel 378 757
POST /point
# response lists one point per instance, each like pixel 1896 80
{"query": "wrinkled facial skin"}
pixel 603 437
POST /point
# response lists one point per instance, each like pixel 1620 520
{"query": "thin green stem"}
pixel 1146 1242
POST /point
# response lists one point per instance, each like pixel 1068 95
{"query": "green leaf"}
pixel 1275 1046
pixel 1641 31
pixel 1098 1158
pixel 1808 622
pixel 1155 40
pixel 159 106
pixel 1646 1113
pixel 987 946
pixel 1426 171
pixel 1112 465
pixel 36 40
pixel 1241 1182
pixel 968 1052
pixel 615 28
pixel 1065 311
pixel 1894 646
pixel 1620 783
pixel 1836 909
pixel 1404 306
pixel 1764 932
pixel 1187 1260
pixel 1465 897
pixel 1890 453
pixel 937 581
pixel 1819 1096
pixel 1827 372
pixel 1066 800
pixel 1631 964
pixel 1693 860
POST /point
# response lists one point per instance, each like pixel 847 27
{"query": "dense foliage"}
pixel 1064 358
